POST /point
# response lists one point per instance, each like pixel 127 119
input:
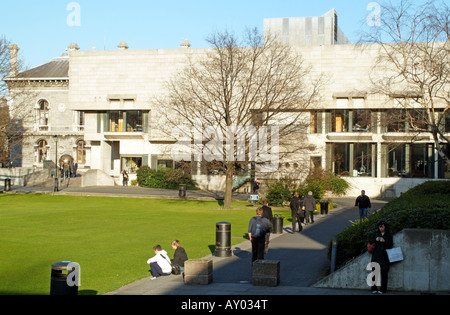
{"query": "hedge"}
pixel 426 206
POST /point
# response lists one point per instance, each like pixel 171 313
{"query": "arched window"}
pixel 43 114
pixel 42 151
pixel 81 152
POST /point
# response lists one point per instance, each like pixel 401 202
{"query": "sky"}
pixel 44 28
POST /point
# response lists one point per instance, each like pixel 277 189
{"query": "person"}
pixel 259 234
pixel 125 177
pixel 256 186
pixel 383 240
pixel 296 206
pixel 309 203
pixel 267 211
pixel 179 256
pixel 363 202
pixel 159 264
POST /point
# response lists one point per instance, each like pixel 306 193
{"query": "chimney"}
pixel 185 44
pixel 122 46
pixel 73 47
pixel 14 52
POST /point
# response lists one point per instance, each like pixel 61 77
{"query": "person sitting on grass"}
pixel 159 264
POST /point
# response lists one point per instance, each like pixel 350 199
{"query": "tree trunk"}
pixel 228 185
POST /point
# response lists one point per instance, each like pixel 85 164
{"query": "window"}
pixel 81 152
pixel 43 114
pixel 125 121
pixel 316 122
pixel 80 121
pixel 42 151
pixel 353 159
pixel 394 120
pixel 339 120
pixel 362 120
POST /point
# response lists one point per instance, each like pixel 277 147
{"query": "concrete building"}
pixel 99 106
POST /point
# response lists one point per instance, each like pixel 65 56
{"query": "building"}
pixel 97 106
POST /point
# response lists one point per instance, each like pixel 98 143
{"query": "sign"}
pixel 254 197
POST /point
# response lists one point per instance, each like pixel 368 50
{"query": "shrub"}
pixel 426 206
pixel 165 178
pixel 278 193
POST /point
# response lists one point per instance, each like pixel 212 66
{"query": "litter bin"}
pixel 8 184
pixel 324 207
pixel 65 278
pixel 278 224
pixel 223 239
pixel 182 191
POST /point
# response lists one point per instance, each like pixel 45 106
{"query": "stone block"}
pixel 198 271
pixel 266 273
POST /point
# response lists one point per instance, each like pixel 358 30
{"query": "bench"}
pixel 198 271
pixel 266 273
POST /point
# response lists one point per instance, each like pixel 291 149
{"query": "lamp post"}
pixel 55 188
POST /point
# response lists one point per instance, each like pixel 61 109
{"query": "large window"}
pixel 352 159
pixel 125 121
pixel 410 160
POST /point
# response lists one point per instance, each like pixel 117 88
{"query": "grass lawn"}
pixel 111 238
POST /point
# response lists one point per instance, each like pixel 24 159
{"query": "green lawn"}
pixel 111 238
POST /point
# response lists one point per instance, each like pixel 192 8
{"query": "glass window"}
pixel 43 114
pixel 352 159
pixel 81 152
pixel 362 120
pixel 395 120
pixel 116 121
pixel 339 120
pixel 134 121
pixel 42 151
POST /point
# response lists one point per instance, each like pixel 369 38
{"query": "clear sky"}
pixel 44 28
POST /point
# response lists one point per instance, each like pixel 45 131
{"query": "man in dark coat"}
pixel 267 211
pixel 296 212
pixel 310 206
pixel 363 202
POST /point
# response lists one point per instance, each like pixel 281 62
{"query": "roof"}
pixel 58 68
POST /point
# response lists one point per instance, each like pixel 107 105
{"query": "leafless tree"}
pixel 12 118
pixel 413 66
pixel 253 82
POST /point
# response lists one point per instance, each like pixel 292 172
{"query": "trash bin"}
pixel 8 184
pixel 278 224
pixel 223 239
pixel 182 191
pixel 324 207
pixel 65 278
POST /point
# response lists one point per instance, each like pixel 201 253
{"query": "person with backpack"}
pixel 259 229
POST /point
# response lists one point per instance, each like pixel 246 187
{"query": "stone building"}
pixel 99 106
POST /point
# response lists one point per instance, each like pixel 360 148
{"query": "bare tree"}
pixel 251 85
pixel 413 66
pixel 13 118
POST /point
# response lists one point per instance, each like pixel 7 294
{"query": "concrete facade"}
pixel 425 267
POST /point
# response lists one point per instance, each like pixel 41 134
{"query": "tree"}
pixel 413 66
pixel 244 89
pixel 12 117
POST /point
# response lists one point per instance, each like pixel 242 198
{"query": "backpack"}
pixel 258 227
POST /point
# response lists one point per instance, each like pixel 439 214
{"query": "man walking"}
pixel 363 202
pixel 296 212
pixel 259 234
pixel 310 206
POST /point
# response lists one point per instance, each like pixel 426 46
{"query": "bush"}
pixel 165 178
pixel 278 193
pixel 426 206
